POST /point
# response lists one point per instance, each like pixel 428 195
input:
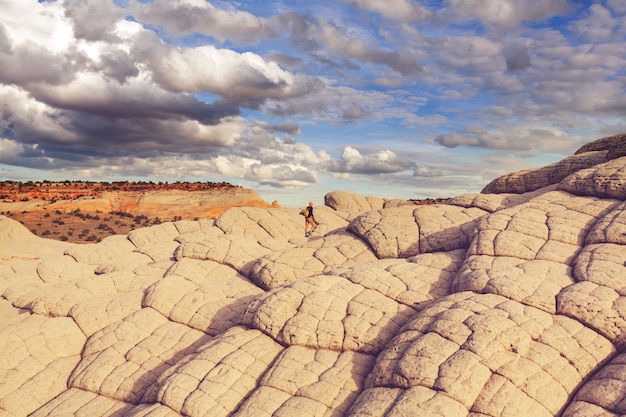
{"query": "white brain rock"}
pixel 510 302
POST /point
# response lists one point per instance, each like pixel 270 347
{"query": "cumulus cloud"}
pixel 278 175
pixel 513 138
pixel 185 17
pixel 400 10
pixel 517 58
pixel 599 24
pixel 79 101
pixel 352 161
pixel 618 6
pixel 468 54
pixel 506 13
pixel 93 20
pixel 277 92
pixel 341 45
pixel 246 79
pixel 332 103
pixel 423 171
pixel 285 61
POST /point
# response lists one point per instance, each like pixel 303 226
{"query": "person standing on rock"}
pixel 309 220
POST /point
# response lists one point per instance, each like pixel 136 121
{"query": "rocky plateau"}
pixel 79 212
pixel 509 302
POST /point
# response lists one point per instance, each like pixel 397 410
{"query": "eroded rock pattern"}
pixel 508 302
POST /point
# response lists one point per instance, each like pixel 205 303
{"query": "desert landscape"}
pixel 502 303
pixel 87 212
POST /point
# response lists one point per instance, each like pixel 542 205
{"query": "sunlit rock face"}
pixel 155 201
pixel 504 303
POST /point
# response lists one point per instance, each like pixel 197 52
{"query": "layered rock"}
pixel 151 202
pixel 508 302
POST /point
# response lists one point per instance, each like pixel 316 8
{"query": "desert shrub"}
pixel 91 238
pixel 63 238
pixel 46 233
pixel 47 215
pixel 140 218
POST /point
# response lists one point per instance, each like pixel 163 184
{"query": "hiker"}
pixel 309 220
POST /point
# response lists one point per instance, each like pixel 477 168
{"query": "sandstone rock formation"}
pixel 506 303
pixel 165 201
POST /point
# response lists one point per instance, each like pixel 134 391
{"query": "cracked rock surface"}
pixel 511 302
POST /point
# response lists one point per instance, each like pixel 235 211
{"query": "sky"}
pixel 406 99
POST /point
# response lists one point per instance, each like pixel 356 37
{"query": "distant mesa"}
pixel 143 202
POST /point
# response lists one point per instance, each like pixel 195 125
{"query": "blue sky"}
pixel 293 98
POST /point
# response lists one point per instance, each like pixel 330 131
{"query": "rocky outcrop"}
pixel 586 158
pixel 502 303
pixel 162 203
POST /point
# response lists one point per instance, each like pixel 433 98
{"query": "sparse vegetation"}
pixel 66 223
pixel 80 227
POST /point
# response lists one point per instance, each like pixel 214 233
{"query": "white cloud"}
pixel 521 138
pixel 42 25
pixel 185 17
pixel 506 13
pixel 9 149
pixel 599 25
pixel 278 175
pixel 424 172
pixel 618 6
pixel 342 43
pixel 400 10
pixel 366 88
pixel 93 20
pixel 245 78
pixel 472 55
pixel 380 162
